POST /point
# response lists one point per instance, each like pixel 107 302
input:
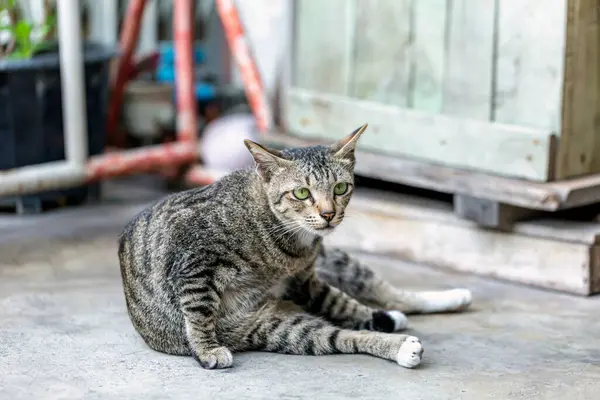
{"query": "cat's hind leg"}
pixel 282 327
pixel 352 277
pixel 317 297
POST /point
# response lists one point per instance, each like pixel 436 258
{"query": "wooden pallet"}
pixel 505 87
pixel 489 200
pixel 551 254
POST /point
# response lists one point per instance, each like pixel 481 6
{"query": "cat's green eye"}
pixel 301 193
pixel 340 188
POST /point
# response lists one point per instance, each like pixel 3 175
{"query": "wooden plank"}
pixel 579 151
pixel 429 51
pixel 323 45
pixel 548 196
pixel 531 38
pixel 415 236
pixel 470 61
pixel 595 270
pixel 400 205
pixel 489 213
pixel 382 51
pixel 517 151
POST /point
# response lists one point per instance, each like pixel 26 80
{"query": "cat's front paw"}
pixel 410 352
pixel 217 358
pixel 389 321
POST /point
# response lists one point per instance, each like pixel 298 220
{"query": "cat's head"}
pixel 308 187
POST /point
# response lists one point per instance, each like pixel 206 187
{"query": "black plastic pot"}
pixel 31 119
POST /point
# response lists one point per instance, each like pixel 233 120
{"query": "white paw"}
pixel 216 358
pixel 447 300
pixel 400 320
pixel 410 352
pixel 459 298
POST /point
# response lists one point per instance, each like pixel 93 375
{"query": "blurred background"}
pixel 481 162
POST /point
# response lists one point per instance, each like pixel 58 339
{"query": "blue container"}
pixel 167 54
pixel 31 122
pixel 165 72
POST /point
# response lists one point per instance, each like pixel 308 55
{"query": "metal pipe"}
pixel 144 159
pixel 239 45
pixel 72 82
pixel 58 175
pixel 38 178
pixel 128 42
pixel 187 116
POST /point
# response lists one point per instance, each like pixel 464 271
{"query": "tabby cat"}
pixel 239 265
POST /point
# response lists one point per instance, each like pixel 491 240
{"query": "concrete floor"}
pixel 65 333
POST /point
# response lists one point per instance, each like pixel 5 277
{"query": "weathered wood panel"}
pixel 459 142
pixel 429 53
pixel 470 58
pixel 548 196
pixel 579 151
pixel 323 45
pixel 381 65
pixel 531 38
pixel 390 52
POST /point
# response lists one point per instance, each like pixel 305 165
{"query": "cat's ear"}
pixel 344 149
pixel 268 161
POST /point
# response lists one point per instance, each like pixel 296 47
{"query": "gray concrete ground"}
pixel 65 333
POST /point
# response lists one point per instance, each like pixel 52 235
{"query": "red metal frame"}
pixel 187 109
pixel 239 46
pixel 242 54
pixel 128 41
pixel 184 151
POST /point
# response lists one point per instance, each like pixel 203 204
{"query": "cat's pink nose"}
pixel 327 215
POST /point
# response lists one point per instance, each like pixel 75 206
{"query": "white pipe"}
pixel 72 82
pixel 71 172
pixel 37 178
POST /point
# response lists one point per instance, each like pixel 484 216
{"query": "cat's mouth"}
pixel 327 227
pixel 324 230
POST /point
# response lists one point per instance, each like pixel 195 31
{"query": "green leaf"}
pixel 23 30
pixel 22 33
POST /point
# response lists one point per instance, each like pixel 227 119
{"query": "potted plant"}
pixel 31 120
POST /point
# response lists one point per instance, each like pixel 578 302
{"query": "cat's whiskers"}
pixel 357 215
pixel 294 227
pixel 301 233
pixel 282 227
pixel 281 224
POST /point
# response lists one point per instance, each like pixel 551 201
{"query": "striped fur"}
pixel 239 265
